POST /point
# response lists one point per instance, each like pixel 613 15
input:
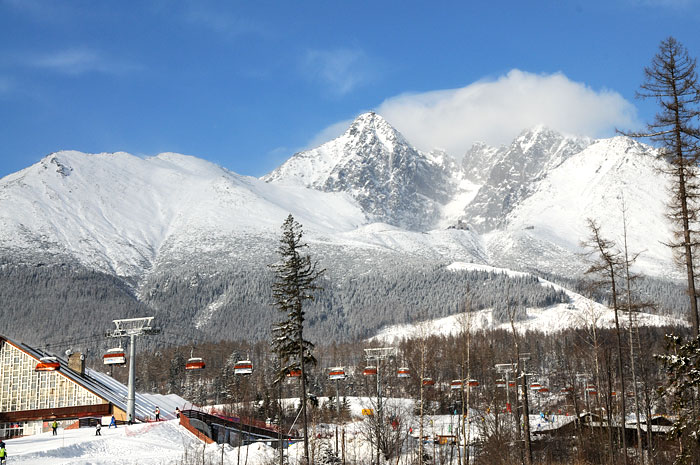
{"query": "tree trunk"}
pixel 303 399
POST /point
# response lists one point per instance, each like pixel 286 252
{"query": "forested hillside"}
pixel 69 303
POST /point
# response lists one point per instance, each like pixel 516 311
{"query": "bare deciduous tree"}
pixel 672 81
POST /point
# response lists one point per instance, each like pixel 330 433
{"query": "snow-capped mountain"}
pixel 509 173
pixel 123 214
pixel 369 202
pixel 546 228
pixel 367 192
pixel 391 181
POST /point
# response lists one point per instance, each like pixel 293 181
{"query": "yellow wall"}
pixel 21 388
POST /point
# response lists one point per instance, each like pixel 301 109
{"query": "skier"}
pixel 3 453
pixel 113 421
pixel 157 412
pixel 98 429
pixel 54 426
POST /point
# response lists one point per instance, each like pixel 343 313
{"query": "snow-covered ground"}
pixel 167 442
pixel 579 312
pixel 159 443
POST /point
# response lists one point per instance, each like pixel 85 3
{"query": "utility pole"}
pixel 377 355
pixel 132 327
pixel 337 374
pixel 523 358
pixel 506 369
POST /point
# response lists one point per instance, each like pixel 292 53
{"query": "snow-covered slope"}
pixel 368 201
pixel 510 173
pixel 392 181
pixel 119 213
pixel 579 312
pixel 149 443
pixel 367 192
pixel 545 230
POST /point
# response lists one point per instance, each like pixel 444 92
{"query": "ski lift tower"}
pixel 132 327
pixel 377 355
pixel 506 369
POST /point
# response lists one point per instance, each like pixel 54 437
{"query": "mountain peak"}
pixel 513 171
pixel 537 136
pixel 370 120
pixel 369 135
pixel 391 181
pixel 369 127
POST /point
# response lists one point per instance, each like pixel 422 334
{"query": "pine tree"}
pixel 673 82
pixel 681 365
pixel 296 277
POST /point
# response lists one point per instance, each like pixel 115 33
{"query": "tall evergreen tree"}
pixel 672 81
pixel 296 280
pixel 681 362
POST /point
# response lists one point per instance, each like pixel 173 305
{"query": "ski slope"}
pixel 579 312
pixel 159 443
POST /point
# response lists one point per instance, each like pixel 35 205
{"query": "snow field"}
pixel 579 312
pixel 167 442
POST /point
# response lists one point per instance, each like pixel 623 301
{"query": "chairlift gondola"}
pixel 243 367
pixel 194 363
pixel 473 383
pixel 47 364
pixel 115 356
pixel 428 382
pixel 370 370
pixel 337 373
pixel 403 372
pixel 500 383
pixel 456 384
pixel 295 373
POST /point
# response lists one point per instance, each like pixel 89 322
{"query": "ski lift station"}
pixel 38 388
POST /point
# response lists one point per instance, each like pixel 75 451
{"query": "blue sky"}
pixel 245 84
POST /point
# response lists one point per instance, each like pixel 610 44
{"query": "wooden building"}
pixel 29 399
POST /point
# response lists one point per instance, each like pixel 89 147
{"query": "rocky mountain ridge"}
pixel 391 181
pixel 192 240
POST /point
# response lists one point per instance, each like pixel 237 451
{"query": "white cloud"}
pixel 495 111
pixel 219 21
pixel 342 70
pixel 329 133
pixel 79 61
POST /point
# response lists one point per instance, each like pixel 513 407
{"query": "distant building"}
pixel 30 399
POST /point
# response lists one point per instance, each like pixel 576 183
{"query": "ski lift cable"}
pixel 75 341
